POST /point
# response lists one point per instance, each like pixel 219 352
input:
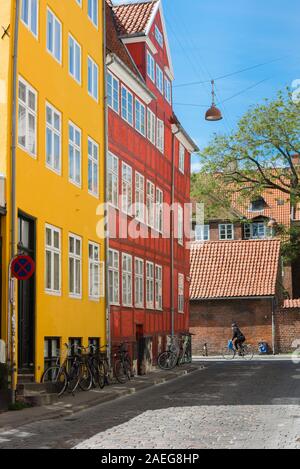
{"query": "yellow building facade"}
pixel 59 181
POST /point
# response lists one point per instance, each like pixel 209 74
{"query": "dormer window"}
pixel 159 37
pixel 258 205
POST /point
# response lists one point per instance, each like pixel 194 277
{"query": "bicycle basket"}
pixel 230 345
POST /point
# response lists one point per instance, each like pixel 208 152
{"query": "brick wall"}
pixel 211 323
pixel 287 329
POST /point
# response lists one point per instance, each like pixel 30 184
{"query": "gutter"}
pixel 267 297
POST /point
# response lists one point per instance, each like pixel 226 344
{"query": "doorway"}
pixel 26 297
pixel 140 340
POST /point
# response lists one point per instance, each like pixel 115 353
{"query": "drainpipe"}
pixel 11 292
pixel 273 326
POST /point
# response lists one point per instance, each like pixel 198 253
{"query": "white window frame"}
pixel 204 231
pixel 159 79
pixel 54 251
pixel 54 133
pixel 181 158
pixel 140 197
pixel 56 23
pixel 150 204
pixel 139 279
pixel 159 215
pixel 95 265
pixel 91 13
pixel 114 270
pixel 28 112
pixel 93 79
pixel 224 230
pixel 181 293
pixel 79 3
pixel 140 117
pixel 158 287
pixel 93 164
pixel 126 202
pixel 126 280
pixel 160 136
pixel 151 126
pixel 180 233
pixel 113 92
pixel 77 259
pixel 249 228
pixel 127 103
pixel 149 285
pixel 76 149
pixel 168 90
pixel 30 18
pixel 150 67
pixel 159 36
pixel 113 176
pixel 76 47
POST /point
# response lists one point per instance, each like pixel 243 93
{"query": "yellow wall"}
pixel 51 198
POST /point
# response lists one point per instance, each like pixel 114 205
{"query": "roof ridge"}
pixel 227 241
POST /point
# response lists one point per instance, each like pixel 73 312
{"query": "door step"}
pixel 37 394
pixel 25 378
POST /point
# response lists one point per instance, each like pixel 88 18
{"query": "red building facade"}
pixel 148 170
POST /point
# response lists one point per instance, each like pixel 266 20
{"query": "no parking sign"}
pixel 23 267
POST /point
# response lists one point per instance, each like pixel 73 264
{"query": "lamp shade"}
pixel 213 114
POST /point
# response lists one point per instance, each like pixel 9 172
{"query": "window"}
pixel 53 260
pixel 93 79
pixel 168 92
pixel 113 277
pixel 160 136
pixel 202 233
pixel 158 287
pixel 126 280
pixel 93 167
pixel 150 204
pixel 256 230
pixel 51 351
pixel 139 282
pixel 79 2
pixel 75 265
pixel 180 224
pixel 159 210
pixel 159 79
pixel 53 138
pixel 150 67
pixel 258 205
pixel 74 154
pixel 139 197
pixel 74 59
pixel 151 126
pixel 127 105
pixel 149 285
pixel 54 35
pixel 159 36
pixel 113 180
pixel 140 117
pixel 94 344
pixel 93 11
pixel 94 272
pixel 226 232
pixel 113 92
pixel 181 158
pixel 126 189
pixel 27 122
pixel 180 293
pixel 29 15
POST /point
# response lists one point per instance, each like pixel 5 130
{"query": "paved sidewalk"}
pixel 272 358
pixel 69 405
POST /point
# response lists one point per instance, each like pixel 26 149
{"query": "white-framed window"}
pixel 139 197
pixel 53 138
pixel 180 293
pixel 151 126
pixel 27 118
pixel 180 225
pixel 113 180
pixel 126 279
pixel 140 117
pixel 113 92
pixel 160 136
pixel 139 283
pixel 54 36
pixel 29 15
pixel 95 282
pixel 93 167
pixel 168 90
pixel 226 231
pixel 159 79
pixel 158 287
pixel 159 37
pixel 202 232
pixel 126 189
pixel 74 59
pixel 53 260
pixel 181 158
pixel 159 216
pixel 79 2
pixel 93 14
pixel 150 66
pixel 257 230
pixel 149 285
pixel 126 105
pixel 114 277
pixel 75 266
pixel 93 79
pixel 74 154
pixel 150 204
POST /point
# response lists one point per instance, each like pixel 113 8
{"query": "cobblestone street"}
pixel 226 405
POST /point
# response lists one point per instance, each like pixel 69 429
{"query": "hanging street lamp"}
pixel 213 114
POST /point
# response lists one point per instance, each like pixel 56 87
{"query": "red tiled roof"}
pixel 233 269
pixel 133 18
pixel 290 304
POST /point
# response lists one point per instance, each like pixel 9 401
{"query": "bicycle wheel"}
pixel 128 368
pixel 247 352
pixel 121 373
pixel 101 375
pixel 167 360
pixel 228 353
pixel 73 377
pixel 85 377
pixel 56 378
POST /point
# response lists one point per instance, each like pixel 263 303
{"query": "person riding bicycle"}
pixel 238 337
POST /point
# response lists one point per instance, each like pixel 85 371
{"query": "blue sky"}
pixel 213 38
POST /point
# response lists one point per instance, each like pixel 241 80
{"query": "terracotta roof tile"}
pixel 229 269
pixel 290 304
pixel 133 18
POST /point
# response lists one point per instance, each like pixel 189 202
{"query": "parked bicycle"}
pixel 178 352
pixel 122 364
pixel 245 351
